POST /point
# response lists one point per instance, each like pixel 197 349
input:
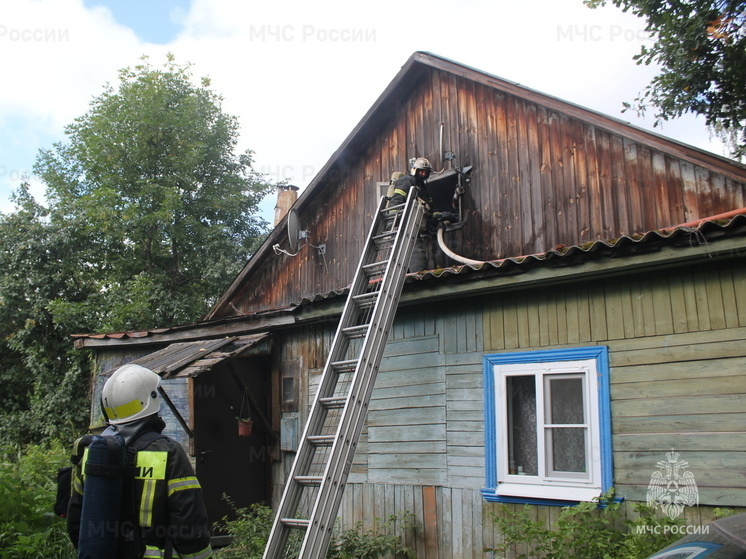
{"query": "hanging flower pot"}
pixel 244 418
pixel 244 427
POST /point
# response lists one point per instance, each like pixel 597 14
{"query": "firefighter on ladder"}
pixel 400 185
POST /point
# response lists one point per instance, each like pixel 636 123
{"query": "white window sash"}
pixel 549 485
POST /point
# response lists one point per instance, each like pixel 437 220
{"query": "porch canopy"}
pixel 189 359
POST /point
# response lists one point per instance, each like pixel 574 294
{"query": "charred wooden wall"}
pixel 542 177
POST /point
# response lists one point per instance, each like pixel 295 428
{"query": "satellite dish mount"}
pixel 297 237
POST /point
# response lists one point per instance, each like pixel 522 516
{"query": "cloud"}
pixel 54 57
pixel 300 75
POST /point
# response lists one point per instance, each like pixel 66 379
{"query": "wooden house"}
pixel 599 336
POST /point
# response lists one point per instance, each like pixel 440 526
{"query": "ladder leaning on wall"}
pixel 310 502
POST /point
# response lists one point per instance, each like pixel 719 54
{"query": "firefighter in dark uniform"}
pixel 418 175
pixel 168 514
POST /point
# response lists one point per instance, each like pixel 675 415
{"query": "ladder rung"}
pixel 365 298
pixel 295 522
pixel 383 245
pixel 333 402
pixel 356 331
pixel 321 440
pixel 345 366
pixel 393 208
pixel 385 236
pixel 374 265
pixel 309 480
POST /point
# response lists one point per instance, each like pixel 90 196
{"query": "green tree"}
pixel 43 379
pixel 151 171
pixel 700 46
pixel 150 213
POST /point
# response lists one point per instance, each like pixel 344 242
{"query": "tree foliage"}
pixel 700 46
pixel 151 170
pixel 42 376
pixel 150 213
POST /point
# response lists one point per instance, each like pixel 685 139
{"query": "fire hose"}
pixel 453 255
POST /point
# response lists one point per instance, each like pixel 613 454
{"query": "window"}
pixel 547 426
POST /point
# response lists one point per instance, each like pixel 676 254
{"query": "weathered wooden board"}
pixel 687 423
pixel 675 383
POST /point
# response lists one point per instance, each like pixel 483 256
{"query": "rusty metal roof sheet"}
pixel 189 359
pixel 687 234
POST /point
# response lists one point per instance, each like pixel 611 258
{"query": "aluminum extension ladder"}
pixel 307 512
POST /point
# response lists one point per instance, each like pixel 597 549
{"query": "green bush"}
pixel 250 529
pixel 28 487
pixel 596 530
pixel 379 541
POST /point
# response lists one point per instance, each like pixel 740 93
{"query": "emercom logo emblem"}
pixel 672 486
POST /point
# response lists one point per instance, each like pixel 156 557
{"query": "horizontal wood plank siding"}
pixel 677 344
pixel 409 399
pixel 465 420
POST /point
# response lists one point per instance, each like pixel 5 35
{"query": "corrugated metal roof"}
pixel 266 317
pixel 688 234
pixel 188 359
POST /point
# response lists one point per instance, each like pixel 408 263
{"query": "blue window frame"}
pixel 547 426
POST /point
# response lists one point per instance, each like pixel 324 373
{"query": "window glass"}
pixel 521 419
pixel 547 425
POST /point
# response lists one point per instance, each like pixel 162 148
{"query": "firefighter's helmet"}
pixel 130 393
pixel 421 164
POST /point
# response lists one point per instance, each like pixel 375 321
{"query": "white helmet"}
pixel 421 164
pixel 130 393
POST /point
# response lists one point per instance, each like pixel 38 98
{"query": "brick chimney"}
pixel 286 197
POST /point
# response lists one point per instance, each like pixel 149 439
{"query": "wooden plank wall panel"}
pixel 677 355
pixel 710 297
pixel 446 523
pixel 465 420
pixel 606 196
pixel 407 415
pixel 545 163
pixel 664 393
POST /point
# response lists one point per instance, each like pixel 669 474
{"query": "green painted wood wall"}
pixel 677 344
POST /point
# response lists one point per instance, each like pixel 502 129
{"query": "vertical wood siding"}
pixel 541 178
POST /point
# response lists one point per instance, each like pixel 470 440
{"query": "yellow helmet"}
pixel 130 393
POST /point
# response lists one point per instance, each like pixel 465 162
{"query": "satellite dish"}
pixel 294 232
pixel 295 235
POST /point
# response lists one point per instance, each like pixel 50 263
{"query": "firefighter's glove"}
pixel 442 219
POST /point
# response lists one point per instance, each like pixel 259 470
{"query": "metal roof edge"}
pixel 693 154
pixel 231 326
pixel 624 254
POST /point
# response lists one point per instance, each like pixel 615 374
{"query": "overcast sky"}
pixel 300 74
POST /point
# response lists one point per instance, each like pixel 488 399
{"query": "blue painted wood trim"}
pixel 601 355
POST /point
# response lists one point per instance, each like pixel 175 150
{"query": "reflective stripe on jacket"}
pixel 168 506
pixel 155 553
